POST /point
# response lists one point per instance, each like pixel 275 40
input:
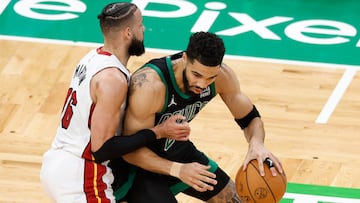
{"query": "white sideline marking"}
pixel 336 96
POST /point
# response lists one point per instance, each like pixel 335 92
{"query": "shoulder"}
pixel 146 92
pixel 227 79
pixel 144 74
pixel 227 71
pixel 108 81
pixel 110 75
pixel 146 82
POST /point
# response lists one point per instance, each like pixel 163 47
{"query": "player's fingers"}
pixel 202 167
pixel 183 129
pixel 179 137
pixel 204 171
pixel 183 138
pixel 271 163
pixel 194 183
pixel 186 130
pixel 178 118
pixel 208 180
pixel 206 186
pixel 202 187
pixel 197 188
pixel 261 166
pixel 245 164
pixel 278 165
pixel 273 171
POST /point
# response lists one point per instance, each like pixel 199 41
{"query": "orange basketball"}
pixel 254 188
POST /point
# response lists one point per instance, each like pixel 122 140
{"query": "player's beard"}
pixel 187 86
pixel 136 47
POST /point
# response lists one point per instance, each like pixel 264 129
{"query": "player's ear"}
pixel 128 32
pixel 184 56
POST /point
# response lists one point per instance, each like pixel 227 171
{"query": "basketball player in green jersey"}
pixel 183 84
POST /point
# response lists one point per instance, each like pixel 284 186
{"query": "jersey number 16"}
pixel 68 112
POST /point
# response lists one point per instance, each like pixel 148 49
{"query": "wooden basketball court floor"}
pixel 315 148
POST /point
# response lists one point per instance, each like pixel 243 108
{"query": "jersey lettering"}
pixel 80 72
pixel 189 112
pixel 168 143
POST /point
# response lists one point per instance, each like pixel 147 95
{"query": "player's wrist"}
pixel 254 141
pixel 175 169
pixel 158 132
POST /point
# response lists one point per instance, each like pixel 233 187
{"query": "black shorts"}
pixel 154 188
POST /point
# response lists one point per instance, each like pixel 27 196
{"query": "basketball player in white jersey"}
pixel 75 168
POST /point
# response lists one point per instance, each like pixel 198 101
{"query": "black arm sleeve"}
pixel 117 146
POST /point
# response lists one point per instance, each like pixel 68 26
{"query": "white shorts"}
pixel 64 179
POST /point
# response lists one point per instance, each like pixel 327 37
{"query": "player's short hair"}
pixel 207 48
pixel 115 15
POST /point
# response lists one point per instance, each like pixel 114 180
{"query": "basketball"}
pixel 254 188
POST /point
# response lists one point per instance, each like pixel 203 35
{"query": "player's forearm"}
pixel 148 160
pixel 117 146
pixel 255 132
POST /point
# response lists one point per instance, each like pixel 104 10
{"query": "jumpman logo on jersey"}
pixel 172 102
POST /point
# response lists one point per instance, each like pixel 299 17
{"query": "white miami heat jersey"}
pixel 73 133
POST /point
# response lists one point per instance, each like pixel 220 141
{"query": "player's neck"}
pixel 119 52
pixel 178 67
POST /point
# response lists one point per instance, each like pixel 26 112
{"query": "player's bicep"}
pixel 109 89
pixel 143 102
pixel 229 89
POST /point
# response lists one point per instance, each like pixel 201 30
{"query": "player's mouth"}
pixel 197 90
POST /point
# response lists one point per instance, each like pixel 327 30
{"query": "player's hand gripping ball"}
pixel 254 188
